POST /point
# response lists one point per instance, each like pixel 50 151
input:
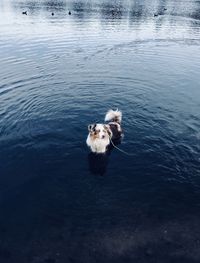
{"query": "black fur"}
pixel 116 134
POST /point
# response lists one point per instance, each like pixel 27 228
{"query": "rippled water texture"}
pixel 61 72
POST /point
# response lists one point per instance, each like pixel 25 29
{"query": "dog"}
pixel 102 135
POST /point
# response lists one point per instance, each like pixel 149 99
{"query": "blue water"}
pixel 61 72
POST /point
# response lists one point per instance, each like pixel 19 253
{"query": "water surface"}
pixel 61 72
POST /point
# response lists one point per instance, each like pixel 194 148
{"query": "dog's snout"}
pixel 103 136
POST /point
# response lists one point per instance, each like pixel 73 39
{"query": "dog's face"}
pixel 98 131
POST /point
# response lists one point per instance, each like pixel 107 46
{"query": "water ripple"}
pixel 61 72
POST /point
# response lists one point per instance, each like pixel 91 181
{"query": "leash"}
pixel 129 154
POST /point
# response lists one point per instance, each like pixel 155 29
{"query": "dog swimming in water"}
pixel 102 135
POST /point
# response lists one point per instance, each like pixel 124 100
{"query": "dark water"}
pixel 61 72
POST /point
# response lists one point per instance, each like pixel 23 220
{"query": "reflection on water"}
pixel 138 19
pixel 86 10
pixel 60 72
pixel 98 163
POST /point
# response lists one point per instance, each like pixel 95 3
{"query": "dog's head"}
pixel 98 131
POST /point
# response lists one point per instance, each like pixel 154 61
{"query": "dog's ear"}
pixel 91 127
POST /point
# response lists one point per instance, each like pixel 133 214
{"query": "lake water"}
pixel 61 72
